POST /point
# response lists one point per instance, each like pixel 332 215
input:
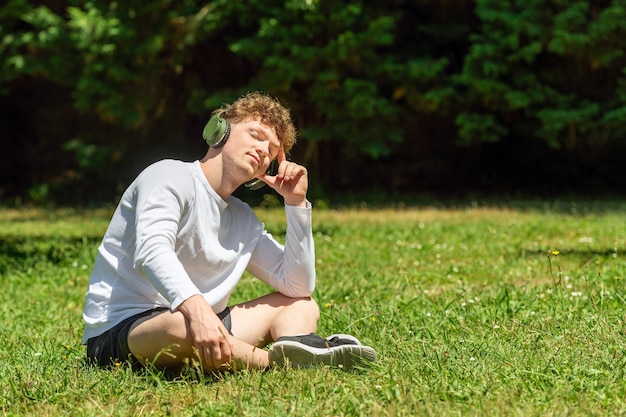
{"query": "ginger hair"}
pixel 268 110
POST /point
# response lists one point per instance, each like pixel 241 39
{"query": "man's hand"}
pixel 291 181
pixel 209 335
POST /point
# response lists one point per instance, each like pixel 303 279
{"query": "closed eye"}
pixel 262 136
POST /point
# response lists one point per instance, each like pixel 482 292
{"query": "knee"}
pixel 312 309
pixel 305 306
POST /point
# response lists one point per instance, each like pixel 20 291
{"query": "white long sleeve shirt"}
pixel 172 236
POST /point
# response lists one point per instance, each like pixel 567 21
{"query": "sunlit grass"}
pixel 477 310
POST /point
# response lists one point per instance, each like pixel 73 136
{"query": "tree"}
pixel 551 69
pixel 397 93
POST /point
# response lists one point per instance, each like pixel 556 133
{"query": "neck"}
pixel 213 169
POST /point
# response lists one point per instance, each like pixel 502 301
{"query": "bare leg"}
pixel 265 319
pixel 164 339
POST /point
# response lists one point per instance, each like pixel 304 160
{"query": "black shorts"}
pixel 111 347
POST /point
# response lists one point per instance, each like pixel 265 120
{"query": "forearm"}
pixel 166 273
pixel 289 268
pixel 299 252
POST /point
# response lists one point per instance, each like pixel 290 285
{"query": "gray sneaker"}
pixel 342 351
pixel 343 339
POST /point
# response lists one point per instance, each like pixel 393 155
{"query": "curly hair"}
pixel 270 112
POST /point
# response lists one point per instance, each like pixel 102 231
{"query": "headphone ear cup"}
pixel 216 131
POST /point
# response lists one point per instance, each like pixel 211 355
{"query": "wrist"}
pixel 193 306
pixel 296 202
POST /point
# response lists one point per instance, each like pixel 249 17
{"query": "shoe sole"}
pixel 297 355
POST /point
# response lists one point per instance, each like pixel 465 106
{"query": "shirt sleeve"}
pixel 160 207
pixel 290 269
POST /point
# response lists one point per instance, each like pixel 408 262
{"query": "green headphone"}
pixel 216 133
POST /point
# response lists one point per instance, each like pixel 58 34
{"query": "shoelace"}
pixel 336 341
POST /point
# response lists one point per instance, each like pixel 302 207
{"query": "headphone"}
pixel 216 133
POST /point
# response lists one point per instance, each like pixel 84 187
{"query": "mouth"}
pixel 255 158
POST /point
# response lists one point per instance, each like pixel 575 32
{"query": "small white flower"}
pixel 576 293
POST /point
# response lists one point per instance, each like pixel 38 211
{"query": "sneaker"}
pixel 342 351
pixel 343 339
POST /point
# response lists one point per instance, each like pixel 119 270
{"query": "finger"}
pixel 281 154
pixel 274 182
pixel 294 171
pixel 227 352
pixel 216 356
pixel 282 167
pixel 206 357
pixel 226 347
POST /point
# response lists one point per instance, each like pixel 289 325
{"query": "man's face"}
pixel 251 147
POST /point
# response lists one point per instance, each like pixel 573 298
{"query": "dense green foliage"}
pixel 396 93
pixel 472 311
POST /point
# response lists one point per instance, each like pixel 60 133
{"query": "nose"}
pixel 263 149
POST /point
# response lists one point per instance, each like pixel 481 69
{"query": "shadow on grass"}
pixel 18 251
pixel 156 376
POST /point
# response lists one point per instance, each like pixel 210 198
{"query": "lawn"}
pixel 479 309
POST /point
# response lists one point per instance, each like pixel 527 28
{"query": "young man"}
pixel 179 242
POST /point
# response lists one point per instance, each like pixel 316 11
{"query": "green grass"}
pixel 470 309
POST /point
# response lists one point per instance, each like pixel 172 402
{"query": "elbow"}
pixel 308 292
pixel 300 292
pixel 305 289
